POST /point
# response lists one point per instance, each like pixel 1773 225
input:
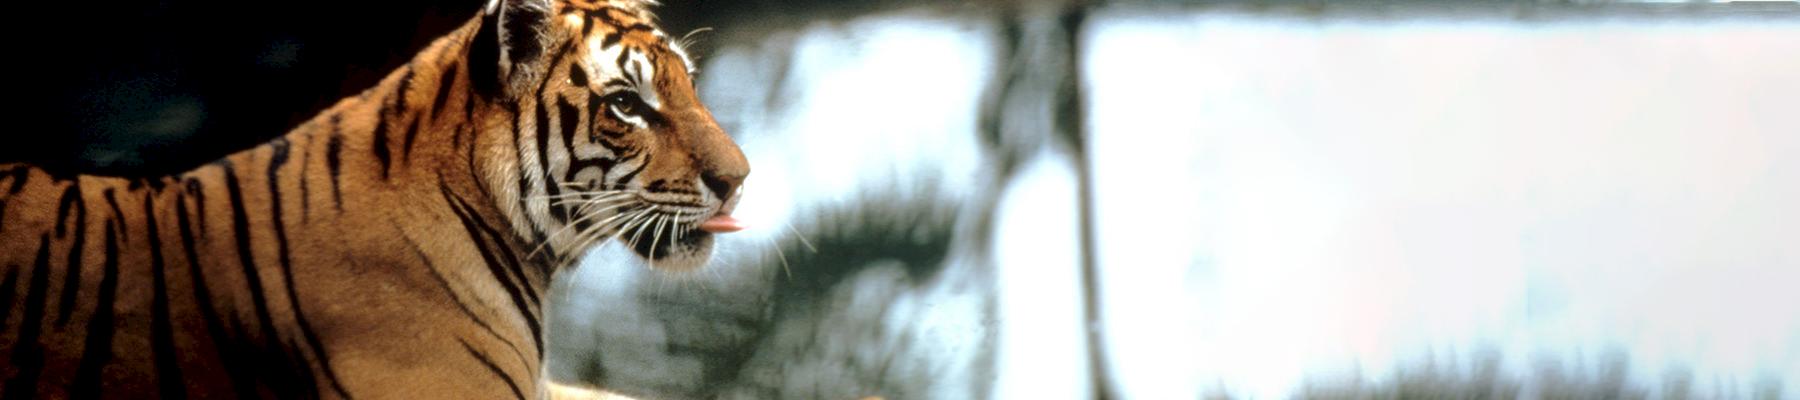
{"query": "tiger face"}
pixel 626 150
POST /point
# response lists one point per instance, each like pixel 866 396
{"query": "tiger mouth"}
pixel 669 238
pixel 673 233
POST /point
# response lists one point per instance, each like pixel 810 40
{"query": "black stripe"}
pixel 474 173
pixel 155 184
pixel 444 283
pixel 551 187
pixel 446 51
pixel 16 180
pixel 73 268
pixel 278 155
pixel 624 57
pixel 604 162
pixel 162 335
pixel 633 174
pixel 607 138
pixel 193 189
pixel 543 150
pixel 241 380
pixel 616 83
pixel 114 204
pixel 586 29
pixel 457 133
pixel 577 76
pixel 636 70
pixel 475 228
pixel 277 158
pixel 399 106
pixel 496 240
pixel 524 184
pixel 602 14
pixel 446 82
pixel 593 113
pixel 510 261
pixel 98 349
pixel 411 133
pixel 9 291
pixel 305 193
pixel 334 162
pixel 498 373
pixel 469 106
pixel 71 198
pixel 399 111
pixel 611 38
pixel 381 143
pixel 240 224
pixel 28 353
pixel 296 366
pixel 571 123
pixel 577 165
pixel 18 175
pixel 293 375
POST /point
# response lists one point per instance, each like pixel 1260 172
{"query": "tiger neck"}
pixel 433 135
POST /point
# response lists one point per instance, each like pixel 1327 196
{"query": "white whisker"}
pixel 784 261
pixel 571 225
pixel 585 185
pixel 619 227
pixel 675 224
pixel 801 236
pixel 586 194
pixel 623 227
pixel 629 217
pixel 569 199
pixel 656 238
pixel 587 206
pixel 603 193
pixel 640 232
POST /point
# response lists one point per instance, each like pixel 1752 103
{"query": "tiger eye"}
pixel 625 102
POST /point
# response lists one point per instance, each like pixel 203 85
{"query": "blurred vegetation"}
pixel 1483 376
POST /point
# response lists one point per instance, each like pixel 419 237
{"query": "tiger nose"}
pixel 722 185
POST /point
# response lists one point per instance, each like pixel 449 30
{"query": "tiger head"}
pixel 614 142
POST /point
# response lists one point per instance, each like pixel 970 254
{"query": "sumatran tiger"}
pixel 398 245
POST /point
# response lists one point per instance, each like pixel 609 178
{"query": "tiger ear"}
pixel 520 31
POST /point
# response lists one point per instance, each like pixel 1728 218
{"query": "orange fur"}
pixel 398 245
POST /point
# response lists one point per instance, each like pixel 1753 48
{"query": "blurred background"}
pixel 1115 199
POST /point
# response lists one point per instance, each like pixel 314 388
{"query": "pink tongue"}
pixel 722 224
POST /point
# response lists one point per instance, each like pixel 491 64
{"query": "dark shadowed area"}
pixel 160 86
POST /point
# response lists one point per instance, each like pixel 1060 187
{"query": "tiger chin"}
pixel 398 245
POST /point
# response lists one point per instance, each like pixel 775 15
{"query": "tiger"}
pixel 399 244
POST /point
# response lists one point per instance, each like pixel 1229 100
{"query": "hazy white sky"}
pixel 1281 199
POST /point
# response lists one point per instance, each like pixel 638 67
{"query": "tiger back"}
pixel 399 244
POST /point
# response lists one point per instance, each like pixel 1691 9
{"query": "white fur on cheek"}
pixel 628 118
pixel 646 83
